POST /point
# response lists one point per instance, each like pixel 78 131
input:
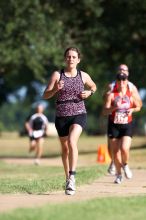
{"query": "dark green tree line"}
pixel 34 35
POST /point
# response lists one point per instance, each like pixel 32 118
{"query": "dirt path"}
pixel 103 187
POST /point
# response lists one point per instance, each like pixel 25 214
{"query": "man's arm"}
pixel 28 127
pixel 136 96
pixel 108 89
pixel 107 107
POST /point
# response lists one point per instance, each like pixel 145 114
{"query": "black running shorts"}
pixel 63 123
pixel 119 130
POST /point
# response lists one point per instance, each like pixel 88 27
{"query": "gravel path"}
pixel 103 187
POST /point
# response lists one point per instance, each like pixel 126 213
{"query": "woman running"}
pixel 71 86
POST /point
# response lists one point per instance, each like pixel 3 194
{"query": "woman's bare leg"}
pixel 65 154
pixel 74 134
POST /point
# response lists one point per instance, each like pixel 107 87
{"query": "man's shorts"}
pixel 63 123
pixel 37 134
pixel 119 130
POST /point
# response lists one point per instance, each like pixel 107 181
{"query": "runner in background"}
pixel 122 68
pixel 120 104
pixel 37 127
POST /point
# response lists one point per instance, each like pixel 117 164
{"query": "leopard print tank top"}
pixel 68 101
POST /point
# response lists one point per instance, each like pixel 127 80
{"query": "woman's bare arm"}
pixel 54 85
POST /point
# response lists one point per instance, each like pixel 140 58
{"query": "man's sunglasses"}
pixel 121 77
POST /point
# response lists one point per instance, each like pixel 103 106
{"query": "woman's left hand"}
pixel 85 94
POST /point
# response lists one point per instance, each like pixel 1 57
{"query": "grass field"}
pixel 29 179
pixel 97 209
pixel 12 146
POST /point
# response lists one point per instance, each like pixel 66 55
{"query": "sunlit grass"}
pixel 106 208
pixel 29 179
pixel 18 146
pixel 32 179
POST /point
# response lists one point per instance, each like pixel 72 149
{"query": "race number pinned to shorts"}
pixel 121 118
pixel 38 134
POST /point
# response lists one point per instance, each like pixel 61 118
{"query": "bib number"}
pixel 38 134
pixel 121 118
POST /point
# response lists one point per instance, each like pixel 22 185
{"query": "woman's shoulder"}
pixel 56 74
pixel 84 74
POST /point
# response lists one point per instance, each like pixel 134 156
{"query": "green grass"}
pixel 131 208
pixel 30 179
pixel 38 179
pixel 13 145
pixel 25 178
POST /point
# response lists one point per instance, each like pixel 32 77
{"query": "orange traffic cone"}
pixel 102 154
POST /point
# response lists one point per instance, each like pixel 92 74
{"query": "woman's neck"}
pixel 70 72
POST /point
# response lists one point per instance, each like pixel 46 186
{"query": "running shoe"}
pixel 112 169
pixel 37 162
pixel 70 186
pixel 127 171
pixel 118 179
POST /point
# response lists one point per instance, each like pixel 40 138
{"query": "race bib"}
pixel 38 134
pixel 121 118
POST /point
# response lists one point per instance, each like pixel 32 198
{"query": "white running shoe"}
pixel 118 179
pixel 112 169
pixel 70 186
pixel 127 171
pixel 37 162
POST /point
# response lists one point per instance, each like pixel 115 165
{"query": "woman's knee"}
pixel 65 150
pixel 124 150
pixel 72 145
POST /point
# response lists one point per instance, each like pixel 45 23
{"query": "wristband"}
pixel 92 92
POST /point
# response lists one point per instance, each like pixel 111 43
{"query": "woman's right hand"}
pixel 59 85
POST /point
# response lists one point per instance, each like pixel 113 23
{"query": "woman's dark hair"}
pixel 74 49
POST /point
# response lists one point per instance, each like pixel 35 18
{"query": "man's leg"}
pixel 39 150
pixel 125 149
pixel 111 168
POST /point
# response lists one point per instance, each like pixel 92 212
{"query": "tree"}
pixel 34 35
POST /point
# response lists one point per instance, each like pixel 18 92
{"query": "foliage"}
pixel 35 33
pixel 12 117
